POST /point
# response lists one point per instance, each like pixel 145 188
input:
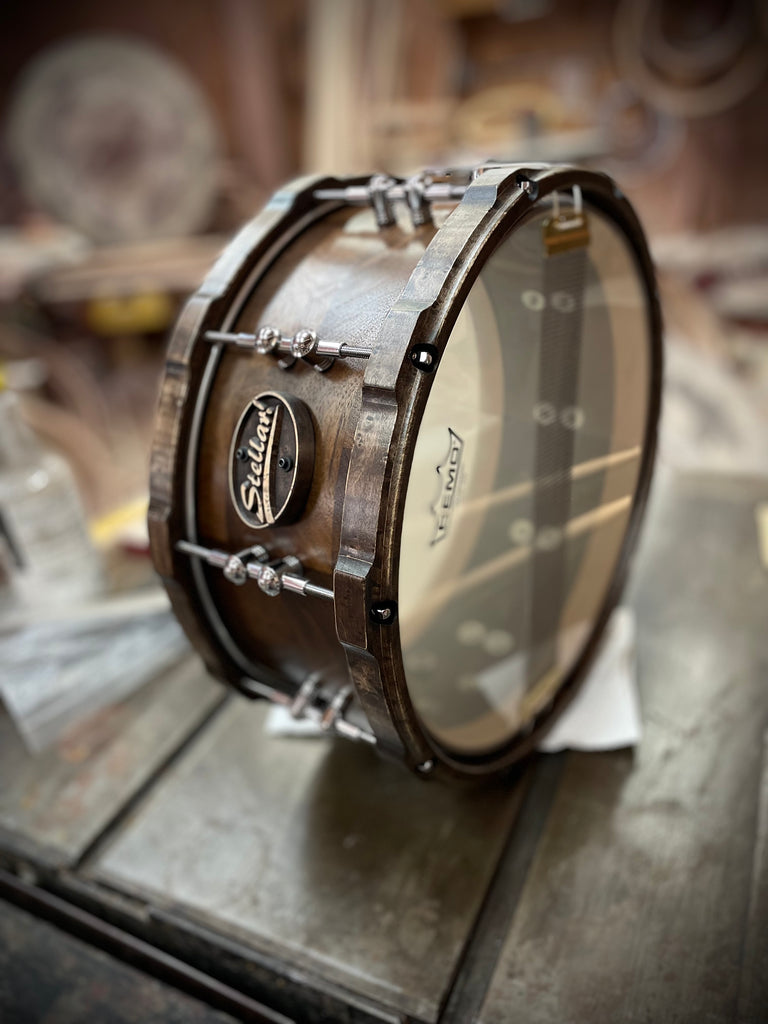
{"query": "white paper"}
pixel 605 713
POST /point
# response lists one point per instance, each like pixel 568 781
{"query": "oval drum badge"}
pixel 271 460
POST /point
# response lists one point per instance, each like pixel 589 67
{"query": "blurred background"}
pixel 135 138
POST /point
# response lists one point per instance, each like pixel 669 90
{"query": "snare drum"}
pixel 404 440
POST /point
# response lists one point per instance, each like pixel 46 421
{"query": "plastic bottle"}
pixel 43 532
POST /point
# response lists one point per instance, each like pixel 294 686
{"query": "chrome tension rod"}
pixel 272 576
pixel 303 344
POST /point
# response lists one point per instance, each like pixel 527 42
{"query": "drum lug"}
pixel 379 188
pixel 307 694
pixel 305 345
pixel 382 192
pixel 272 577
pixel 312 703
pixel 418 203
pixel 337 708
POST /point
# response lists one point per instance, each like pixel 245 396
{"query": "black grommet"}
pixel 285 462
pixel 424 357
pixel 241 454
pixel 384 612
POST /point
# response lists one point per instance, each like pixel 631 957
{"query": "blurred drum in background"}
pixel 404 441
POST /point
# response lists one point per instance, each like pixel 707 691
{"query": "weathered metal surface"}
pixel 646 900
pixel 753 990
pixel 55 804
pixel 634 887
pixel 47 975
pixel 319 854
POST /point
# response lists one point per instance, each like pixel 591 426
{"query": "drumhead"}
pixel 524 476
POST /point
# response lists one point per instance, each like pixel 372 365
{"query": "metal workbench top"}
pixel 624 886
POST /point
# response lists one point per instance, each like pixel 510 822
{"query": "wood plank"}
pixel 647 882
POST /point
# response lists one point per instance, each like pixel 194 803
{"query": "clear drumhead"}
pixel 524 473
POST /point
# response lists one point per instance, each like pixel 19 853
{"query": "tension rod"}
pixel 300 345
pixel 272 577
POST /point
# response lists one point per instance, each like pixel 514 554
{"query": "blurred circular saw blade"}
pixel 112 137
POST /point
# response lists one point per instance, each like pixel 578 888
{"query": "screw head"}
pixel 241 454
pixel 267 340
pixel 384 612
pixel 285 462
pixel 424 357
pixel 303 343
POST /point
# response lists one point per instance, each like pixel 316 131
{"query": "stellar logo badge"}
pixel 448 471
pixel 271 460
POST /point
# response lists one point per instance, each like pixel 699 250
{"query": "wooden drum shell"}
pixel 340 277
pixel 327 267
